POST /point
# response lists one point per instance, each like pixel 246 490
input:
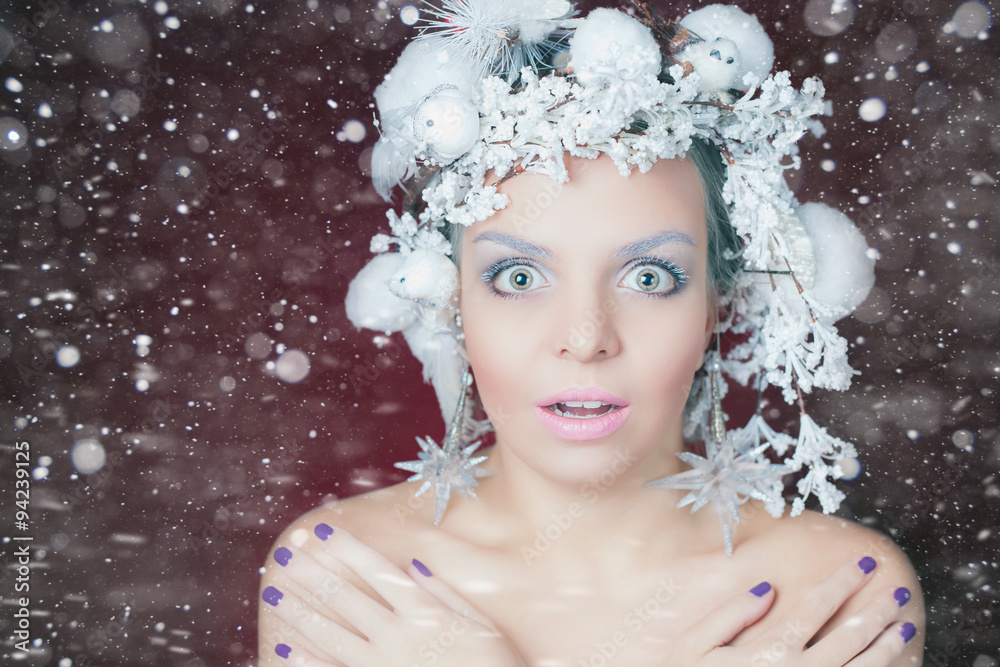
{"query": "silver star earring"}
pixel 449 466
pixel 725 476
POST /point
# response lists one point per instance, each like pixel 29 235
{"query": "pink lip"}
pixel 583 429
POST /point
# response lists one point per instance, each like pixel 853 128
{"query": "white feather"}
pixel 499 37
pixel 443 363
pixel 393 161
pixel 426 315
pixel 429 280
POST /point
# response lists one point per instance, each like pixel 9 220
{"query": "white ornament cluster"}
pixel 487 90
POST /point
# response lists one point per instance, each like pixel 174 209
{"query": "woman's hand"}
pixel 873 637
pixel 428 622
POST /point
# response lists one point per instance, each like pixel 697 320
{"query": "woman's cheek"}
pixel 674 363
pixel 485 347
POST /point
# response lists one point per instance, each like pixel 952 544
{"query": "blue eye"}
pixel 655 277
pixel 512 277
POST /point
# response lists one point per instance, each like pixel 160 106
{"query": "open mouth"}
pixel 582 409
pixel 586 413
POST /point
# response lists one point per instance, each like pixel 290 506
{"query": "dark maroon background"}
pixel 153 560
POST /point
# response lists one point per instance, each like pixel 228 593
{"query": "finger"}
pixel 851 636
pixel 889 646
pixel 376 570
pixel 721 625
pixel 330 590
pixel 817 606
pixel 446 594
pixel 299 657
pixel 331 638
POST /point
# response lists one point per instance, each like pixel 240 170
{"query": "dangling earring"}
pixel 451 465
pixel 723 477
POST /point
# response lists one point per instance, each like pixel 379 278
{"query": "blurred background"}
pixel 184 199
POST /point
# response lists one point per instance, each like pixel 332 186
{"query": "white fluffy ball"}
pixel 370 304
pixel 611 43
pixel 732 24
pixel 422 67
pixel 845 271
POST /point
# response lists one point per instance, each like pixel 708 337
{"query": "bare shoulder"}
pixel 819 539
pixel 387 520
pixel 372 517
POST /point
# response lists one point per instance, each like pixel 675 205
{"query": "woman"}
pixel 588 304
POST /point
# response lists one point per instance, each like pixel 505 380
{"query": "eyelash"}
pixel 680 277
pixel 678 274
pixel 489 276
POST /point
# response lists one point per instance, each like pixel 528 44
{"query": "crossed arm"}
pixel 328 599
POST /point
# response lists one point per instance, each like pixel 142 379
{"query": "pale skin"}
pixel 565 558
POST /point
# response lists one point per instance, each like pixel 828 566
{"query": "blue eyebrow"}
pixel 654 241
pixel 514 243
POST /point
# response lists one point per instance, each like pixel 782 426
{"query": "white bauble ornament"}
pixel 370 304
pixel 448 123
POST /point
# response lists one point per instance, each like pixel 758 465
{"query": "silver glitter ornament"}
pixel 724 476
pixel 448 467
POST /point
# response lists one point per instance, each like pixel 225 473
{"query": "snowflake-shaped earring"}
pixel 724 476
pixel 449 466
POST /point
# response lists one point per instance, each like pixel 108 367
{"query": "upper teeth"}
pixel 583 404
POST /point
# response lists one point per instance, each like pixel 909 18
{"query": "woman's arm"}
pixel 329 599
pixel 339 598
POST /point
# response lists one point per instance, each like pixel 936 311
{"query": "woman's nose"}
pixel 589 333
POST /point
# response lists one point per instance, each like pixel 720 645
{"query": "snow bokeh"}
pixel 186 197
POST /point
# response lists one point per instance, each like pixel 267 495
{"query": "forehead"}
pixel 600 203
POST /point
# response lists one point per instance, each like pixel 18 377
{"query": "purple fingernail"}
pixel 907 631
pixel 323 531
pixel 282 556
pixel 421 568
pixel 761 589
pixel 283 650
pixel 272 596
pixel 902 596
pixel 867 564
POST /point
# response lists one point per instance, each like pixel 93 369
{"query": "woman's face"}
pixel 586 314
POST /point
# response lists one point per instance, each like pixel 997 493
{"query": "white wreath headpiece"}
pixel 508 87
